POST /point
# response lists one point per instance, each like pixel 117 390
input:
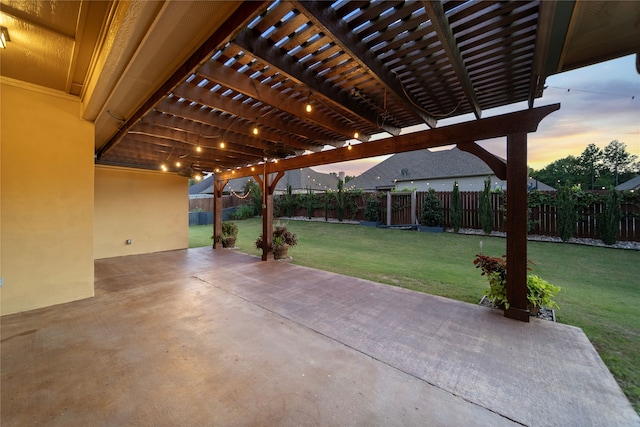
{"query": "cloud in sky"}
pixel 596 107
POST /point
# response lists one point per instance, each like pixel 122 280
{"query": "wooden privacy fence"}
pixel 542 218
pixel 206 204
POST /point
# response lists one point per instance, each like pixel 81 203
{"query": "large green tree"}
pixel 590 162
pixel 618 161
pixel 565 171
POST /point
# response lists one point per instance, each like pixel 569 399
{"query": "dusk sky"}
pixel 596 107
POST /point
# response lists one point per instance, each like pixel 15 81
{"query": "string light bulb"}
pixel 255 130
pixel 178 164
pixel 199 149
pixel 163 167
pixel 308 107
pixel 349 147
pixel 221 144
pixel 356 135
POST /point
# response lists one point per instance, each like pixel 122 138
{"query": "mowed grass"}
pixel 600 286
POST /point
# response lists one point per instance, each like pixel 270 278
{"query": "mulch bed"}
pixel 543 313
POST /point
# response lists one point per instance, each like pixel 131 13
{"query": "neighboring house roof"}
pixel 632 184
pixel 202 185
pixel 298 179
pixel 420 165
pixel 423 165
pixel 534 184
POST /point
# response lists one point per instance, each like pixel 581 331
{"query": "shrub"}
pixel 229 229
pixel 340 201
pixel 431 211
pixel 609 223
pixel 455 211
pixel 243 212
pixel 372 209
pixel 486 210
pixel 281 236
pixel 566 214
pixel 540 293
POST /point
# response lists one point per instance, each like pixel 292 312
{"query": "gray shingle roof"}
pixel 420 165
pixel 299 179
pixel 632 184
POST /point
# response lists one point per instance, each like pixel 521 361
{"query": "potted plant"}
pixel 282 239
pixel 371 212
pixel 431 213
pixel 229 234
pixel 540 293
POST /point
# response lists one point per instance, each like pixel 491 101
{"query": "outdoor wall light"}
pixel 4 37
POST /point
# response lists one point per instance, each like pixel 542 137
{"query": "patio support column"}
pixel 517 216
pixel 218 186
pixel 268 187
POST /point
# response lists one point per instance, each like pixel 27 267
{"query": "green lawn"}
pixel 600 286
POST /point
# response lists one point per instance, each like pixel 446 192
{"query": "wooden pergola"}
pixel 289 84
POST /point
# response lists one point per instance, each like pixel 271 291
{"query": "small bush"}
pixel 486 210
pixel 372 209
pixel 609 223
pixel 243 212
pixel 456 208
pixel 431 211
pixel 566 214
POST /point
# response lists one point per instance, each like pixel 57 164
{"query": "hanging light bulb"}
pixel 356 135
pixel 255 130
pixel 198 177
pixel 178 164
pixel 349 146
pixel 221 144
pixel 163 167
pixel 198 149
pixel 308 108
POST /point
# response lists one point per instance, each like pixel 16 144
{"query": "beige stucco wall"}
pixel 46 170
pixel 150 208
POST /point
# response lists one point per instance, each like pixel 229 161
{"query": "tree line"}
pixel 593 169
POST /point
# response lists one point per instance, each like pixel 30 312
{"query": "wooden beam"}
pixel 497 165
pixel 214 100
pixel 547 10
pixel 517 219
pixel 251 41
pixel 214 125
pixel 228 77
pixel 268 183
pixel 440 24
pixel 493 127
pixel 218 187
pixel 223 34
pixel 325 17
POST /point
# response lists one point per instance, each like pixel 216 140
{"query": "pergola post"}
pixel 517 217
pixel 268 187
pixel 218 186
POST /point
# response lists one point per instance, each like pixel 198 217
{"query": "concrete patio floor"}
pixel 201 337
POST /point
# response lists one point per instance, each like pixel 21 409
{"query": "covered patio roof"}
pixel 281 79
